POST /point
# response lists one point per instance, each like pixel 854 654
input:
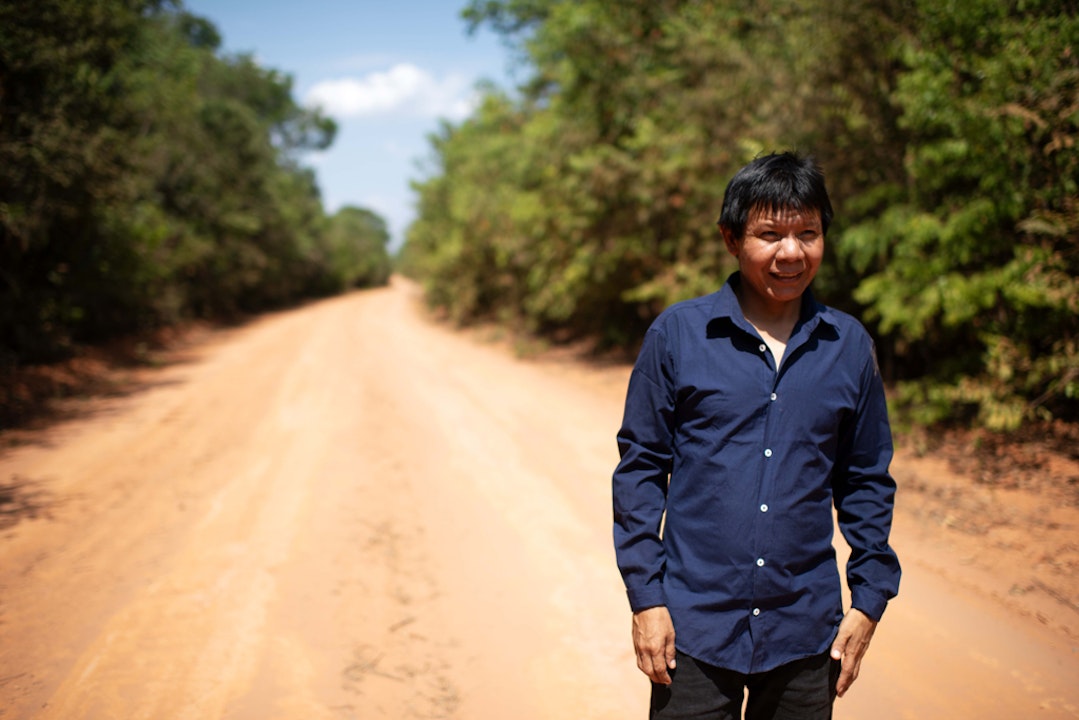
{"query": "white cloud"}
pixel 404 89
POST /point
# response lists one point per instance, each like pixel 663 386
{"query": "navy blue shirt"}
pixel 746 463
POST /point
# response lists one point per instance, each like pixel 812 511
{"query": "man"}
pixel 749 413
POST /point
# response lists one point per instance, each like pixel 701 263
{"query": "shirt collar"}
pixel 812 313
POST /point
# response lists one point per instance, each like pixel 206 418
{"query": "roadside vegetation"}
pixel 148 179
pixel 584 202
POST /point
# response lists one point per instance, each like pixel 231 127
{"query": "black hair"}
pixel 774 182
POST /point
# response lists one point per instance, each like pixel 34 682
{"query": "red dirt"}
pixel 349 511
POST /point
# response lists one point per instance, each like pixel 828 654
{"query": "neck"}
pixel 774 321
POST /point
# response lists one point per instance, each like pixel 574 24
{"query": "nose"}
pixel 789 249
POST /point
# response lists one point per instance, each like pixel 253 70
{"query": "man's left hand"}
pixel 850 645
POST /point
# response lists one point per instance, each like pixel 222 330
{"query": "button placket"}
pixel 767 473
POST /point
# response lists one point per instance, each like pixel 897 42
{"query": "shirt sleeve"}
pixel 864 493
pixel 639 484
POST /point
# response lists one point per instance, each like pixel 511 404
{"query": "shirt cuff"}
pixel 869 602
pixel 646 597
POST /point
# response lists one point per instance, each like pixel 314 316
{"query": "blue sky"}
pixel 385 70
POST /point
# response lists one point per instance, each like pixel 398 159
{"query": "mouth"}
pixel 787 277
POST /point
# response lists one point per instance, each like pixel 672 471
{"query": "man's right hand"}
pixel 653 639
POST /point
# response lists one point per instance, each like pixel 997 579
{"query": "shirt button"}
pixel 760 562
pixel 768 452
pixel 756 611
pixel 764 507
pixel 762 347
pixel 773 396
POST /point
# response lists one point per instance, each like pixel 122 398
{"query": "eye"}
pixel 808 235
pixel 770 235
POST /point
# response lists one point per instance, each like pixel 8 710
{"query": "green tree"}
pixel 592 200
pixel 355 248
pixel 145 177
pixel 585 203
pixel 61 159
pixel 973 260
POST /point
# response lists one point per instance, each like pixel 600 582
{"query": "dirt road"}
pixel 346 511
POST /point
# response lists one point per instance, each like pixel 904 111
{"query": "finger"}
pixel 839 645
pixel 656 673
pixel 653 665
pixel 847 676
pixel 659 672
pixel 670 652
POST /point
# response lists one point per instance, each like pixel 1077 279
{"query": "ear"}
pixel 734 245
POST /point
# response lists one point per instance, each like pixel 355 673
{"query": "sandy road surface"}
pixel 345 511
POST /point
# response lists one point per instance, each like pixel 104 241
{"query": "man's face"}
pixel 779 255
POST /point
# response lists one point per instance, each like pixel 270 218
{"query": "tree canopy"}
pixel 584 202
pixel 147 177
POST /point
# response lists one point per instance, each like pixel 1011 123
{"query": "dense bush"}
pixel 145 178
pixel 585 202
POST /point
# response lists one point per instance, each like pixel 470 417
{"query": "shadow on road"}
pixel 33 397
pixel 24 499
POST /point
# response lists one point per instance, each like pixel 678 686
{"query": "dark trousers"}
pixel 801 690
